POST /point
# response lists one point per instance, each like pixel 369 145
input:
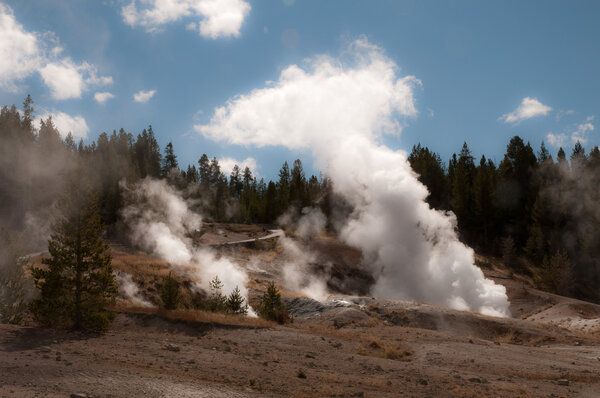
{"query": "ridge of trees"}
pixel 529 208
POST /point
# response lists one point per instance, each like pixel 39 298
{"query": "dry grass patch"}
pixel 374 347
pixel 199 316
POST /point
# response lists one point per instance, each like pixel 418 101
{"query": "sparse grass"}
pixel 200 316
pixel 397 355
pixel 511 337
pixel 537 311
pixel 374 347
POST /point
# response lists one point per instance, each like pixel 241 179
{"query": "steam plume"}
pixel 161 222
pixel 129 290
pixel 340 108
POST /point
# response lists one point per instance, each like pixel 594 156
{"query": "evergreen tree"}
pixel 271 307
pixel 204 171
pixel 170 160
pixel 578 158
pixel 428 165
pixel 216 300
pixel 298 185
pixel 191 175
pixel 283 187
pixel 462 191
pixel 235 303
pixel 562 158
pixel 484 186
pixel 77 284
pixel 543 154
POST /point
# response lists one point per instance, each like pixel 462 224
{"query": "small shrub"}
pixel 397 355
pixel 235 303
pixel 217 302
pixel 169 293
pixel 300 374
pixel 14 288
pixel 271 307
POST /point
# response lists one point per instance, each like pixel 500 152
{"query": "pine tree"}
pixel 271 307
pixel 170 160
pixel 216 300
pixel 77 284
pixel 235 303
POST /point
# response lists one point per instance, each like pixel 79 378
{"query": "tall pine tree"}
pixel 77 284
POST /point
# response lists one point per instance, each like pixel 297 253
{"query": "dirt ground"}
pixel 348 346
pixel 152 356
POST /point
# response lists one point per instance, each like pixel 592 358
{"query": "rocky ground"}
pixel 348 346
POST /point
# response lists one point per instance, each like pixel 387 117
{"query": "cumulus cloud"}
pixel 218 18
pixel 325 101
pixel 25 53
pixel 578 134
pixel 65 123
pixel 63 79
pixel 19 50
pixel 339 108
pixel 530 107
pixel 228 163
pixel 143 96
pixel 68 80
pixel 102 97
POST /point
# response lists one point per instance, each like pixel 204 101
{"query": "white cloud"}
pixel 218 18
pixel 65 123
pixel 68 80
pixel 579 134
pixel 24 53
pixel 530 107
pixel 228 163
pixel 20 54
pixel 143 96
pixel 557 140
pixel 103 97
pixel 325 98
pixel 64 79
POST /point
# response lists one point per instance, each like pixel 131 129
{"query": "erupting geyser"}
pixel 340 108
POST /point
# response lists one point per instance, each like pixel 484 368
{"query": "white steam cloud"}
pixel 161 223
pixel 130 291
pixel 339 108
pixel 297 269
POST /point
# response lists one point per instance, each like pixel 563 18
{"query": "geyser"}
pixel 340 108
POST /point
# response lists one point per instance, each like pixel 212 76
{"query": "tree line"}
pixel 540 215
pixel 34 162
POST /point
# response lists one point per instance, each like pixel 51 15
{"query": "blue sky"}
pixel 487 70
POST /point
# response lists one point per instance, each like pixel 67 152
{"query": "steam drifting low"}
pixel 340 108
pixel 161 222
